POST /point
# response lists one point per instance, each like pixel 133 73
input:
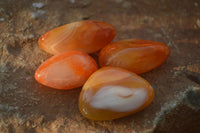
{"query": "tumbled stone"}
pixel 111 93
pixel 138 56
pixel 66 71
pixel 86 36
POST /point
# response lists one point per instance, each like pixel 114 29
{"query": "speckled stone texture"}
pixel 28 107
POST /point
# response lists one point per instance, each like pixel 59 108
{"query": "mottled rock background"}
pixel 28 107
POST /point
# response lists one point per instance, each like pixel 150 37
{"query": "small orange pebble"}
pixel 66 71
pixel 138 56
pixel 86 36
pixel 112 93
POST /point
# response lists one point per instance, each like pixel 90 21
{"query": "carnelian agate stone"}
pixel 66 71
pixel 138 56
pixel 85 36
pixel 112 92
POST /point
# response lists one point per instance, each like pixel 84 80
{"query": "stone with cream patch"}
pixel 106 96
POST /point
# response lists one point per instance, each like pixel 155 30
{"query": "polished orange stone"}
pixel 112 93
pixel 66 71
pixel 138 56
pixel 86 36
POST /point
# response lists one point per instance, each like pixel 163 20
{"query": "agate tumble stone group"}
pixel 112 93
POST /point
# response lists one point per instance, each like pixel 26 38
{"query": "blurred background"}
pixel 28 107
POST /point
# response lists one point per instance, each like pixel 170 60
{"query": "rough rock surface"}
pixel 28 107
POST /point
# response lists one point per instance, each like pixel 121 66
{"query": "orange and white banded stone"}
pixel 66 71
pixel 138 56
pixel 86 36
pixel 112 92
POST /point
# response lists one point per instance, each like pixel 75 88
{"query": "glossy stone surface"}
pixel 86 36
pixel 138 56
pixel 112 92
pixel 66 71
